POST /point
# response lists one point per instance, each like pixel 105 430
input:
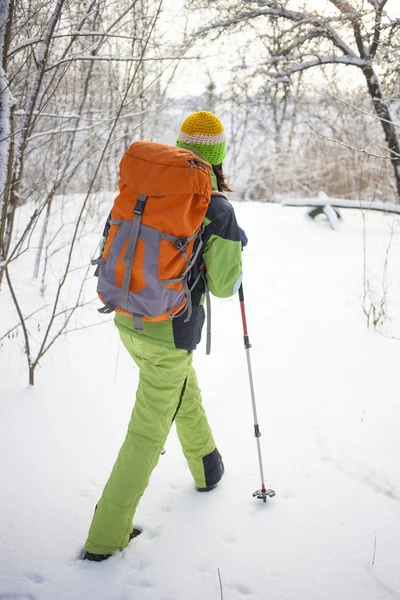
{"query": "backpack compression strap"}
pixel 128 261
pixel 181 243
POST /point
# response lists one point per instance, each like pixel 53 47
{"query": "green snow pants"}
pixel 167 391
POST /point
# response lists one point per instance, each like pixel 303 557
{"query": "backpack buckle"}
pixel 181 244
pixel 140 202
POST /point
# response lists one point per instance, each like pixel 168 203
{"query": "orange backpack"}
pixel 153 228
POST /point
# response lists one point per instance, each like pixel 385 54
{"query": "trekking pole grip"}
pixel 241 294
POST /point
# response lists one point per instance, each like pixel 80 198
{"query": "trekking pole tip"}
pixel 264 494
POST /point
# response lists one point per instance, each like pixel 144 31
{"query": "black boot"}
pixel 99 557
pixel 213 469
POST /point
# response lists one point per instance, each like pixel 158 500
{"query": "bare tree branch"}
pixel 348 12
pixel 74 34
pixel 377 28
pixel 111 58
pixel 5 335
pixel 319 60
pixel 360 150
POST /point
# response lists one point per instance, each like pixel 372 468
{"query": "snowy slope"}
pixel 328 399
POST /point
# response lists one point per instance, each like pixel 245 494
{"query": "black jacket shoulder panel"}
pixel 222 219
pixel 219 206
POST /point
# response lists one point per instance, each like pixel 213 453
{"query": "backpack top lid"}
pixel 152 169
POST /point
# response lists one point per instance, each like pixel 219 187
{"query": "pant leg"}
pixel 163 372
pixel 195 434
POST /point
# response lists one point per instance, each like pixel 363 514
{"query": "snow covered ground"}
pixel 328 396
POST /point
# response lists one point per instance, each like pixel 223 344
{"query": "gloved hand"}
pixel 243 237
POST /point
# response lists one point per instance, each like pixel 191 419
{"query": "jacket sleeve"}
pixel 223 254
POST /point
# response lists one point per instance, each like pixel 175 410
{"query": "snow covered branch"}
pixel 111 58
pixel 319 60
pixel 74 34
pixel 377 27
pixel 349 13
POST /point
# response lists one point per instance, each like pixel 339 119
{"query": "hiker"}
pixel 163 350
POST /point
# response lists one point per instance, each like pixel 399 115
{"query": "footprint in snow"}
pixel 12 596
pixel 96 484
pixel 175 486
pixel 140 564
pixel 35 577
pixel 153 533
pixel 206 566
pixel 286 494
pixel 243 589
pixel 230 538
pixel 276 575
pixel 144 583
pixel 254 512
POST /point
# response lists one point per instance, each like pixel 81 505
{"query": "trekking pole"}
pixel 263 492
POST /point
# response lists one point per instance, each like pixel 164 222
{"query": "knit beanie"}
pixel 205 132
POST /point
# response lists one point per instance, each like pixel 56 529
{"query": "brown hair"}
pixel 222 184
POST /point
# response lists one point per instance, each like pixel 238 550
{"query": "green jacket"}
pixel 222 257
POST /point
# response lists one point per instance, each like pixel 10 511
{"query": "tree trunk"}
pixel 42 239
pixel 7 103
pixel 383 112
pixel 32 374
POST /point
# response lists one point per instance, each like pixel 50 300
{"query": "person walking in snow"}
pixel 168 390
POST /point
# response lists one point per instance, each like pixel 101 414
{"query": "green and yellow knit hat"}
pixel 205 132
